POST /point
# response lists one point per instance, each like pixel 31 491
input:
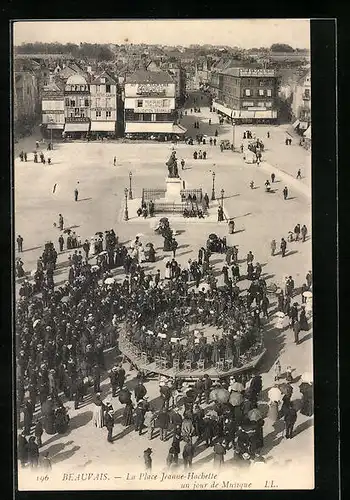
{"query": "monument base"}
pixel 173 188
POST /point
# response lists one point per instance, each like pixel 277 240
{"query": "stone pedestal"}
pixel 173 188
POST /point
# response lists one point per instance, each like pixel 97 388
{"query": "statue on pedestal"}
pixel 172 166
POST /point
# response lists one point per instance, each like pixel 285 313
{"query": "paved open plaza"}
pixel 42 192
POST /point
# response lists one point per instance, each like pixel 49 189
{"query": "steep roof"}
pixel 142 76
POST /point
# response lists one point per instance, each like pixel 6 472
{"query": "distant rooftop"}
pixel 143 76
pixel 43 56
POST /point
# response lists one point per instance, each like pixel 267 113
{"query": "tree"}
pixel 281 47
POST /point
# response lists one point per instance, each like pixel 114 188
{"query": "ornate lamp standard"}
pixel 213 188
pixel 130 188
pixel 222 198
pixel 233 134
pixel 126 213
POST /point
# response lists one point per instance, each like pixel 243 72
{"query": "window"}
pixel 247 103
pixel 140 119
pixel 82 103
pixel 67 102
pixel 108 114
pixel 82 115
pixel 108 103
pixel 247 92
pixel 261 104
pixel 166 103
pixel 108 89
pixel 269 92
pixel 307 92
pixel 139 103
pixel 97 103
pixel 261 91
pixel 153 117
pixel 71 114
pixel 76 111
pixel 268 104
pixel 98 114
pixel 86 102
pixel 72 103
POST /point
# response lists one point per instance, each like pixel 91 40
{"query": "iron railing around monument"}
pixel 149 194
pixel 197 193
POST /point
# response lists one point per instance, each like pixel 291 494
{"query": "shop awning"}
pixel 296 123
pixel 303 125
pixel 223 109
pixel 149 127
pixel 307 133
pixel 77 127
pixel 55 126
pixel 263 114
pixel 179 129
pixel 102 126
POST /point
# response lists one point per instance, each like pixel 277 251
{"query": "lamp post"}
pixel 126 213
pixel 130 188
pixel 51 122
pixel 233 134
pixel 213 188
pixel 222 198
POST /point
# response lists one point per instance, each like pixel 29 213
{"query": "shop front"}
pixel 99 129
pixel 76 130
pixel 161 131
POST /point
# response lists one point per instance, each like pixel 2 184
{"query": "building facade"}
pixel 246 95
pixel 103 110
pixel 149 105
pixel 52 111
pixel 25 102
pixel 301 101
pixel 77 107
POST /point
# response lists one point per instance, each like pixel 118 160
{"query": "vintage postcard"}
pixel 163 254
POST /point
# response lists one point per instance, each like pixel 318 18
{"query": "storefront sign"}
pixel 257 72
pixel 151 88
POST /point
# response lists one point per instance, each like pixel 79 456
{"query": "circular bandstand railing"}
pixel 187 369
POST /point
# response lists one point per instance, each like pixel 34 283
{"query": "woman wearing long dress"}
pixel 167 273
pixel 273 411
pixel 127 414
pixel 97 416
pixel 304 325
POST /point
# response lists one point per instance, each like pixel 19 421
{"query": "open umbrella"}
pixel 95 268
pixel 32 273
pixel 36 322
pixel 162 335
pixel 254 415
pixel 274 394
pixel 109 281
pixel 140 234
pixel 237 387
pixel 222 396
pixel 236 398
pixel 280 314
pixel 211 413
pixel 307 294
pixel 149 245
pixel 99 233
pixel 213 393
pixel 307 377
pixel 65 299
pixel 213 236
pixel 103 253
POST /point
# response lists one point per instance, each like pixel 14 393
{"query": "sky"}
pixel 237 32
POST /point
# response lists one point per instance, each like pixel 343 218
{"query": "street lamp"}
pixel 222 198
pixel 233 134
pixel 51 121
pixel 130 189
pixel 213 188
pixel 126 213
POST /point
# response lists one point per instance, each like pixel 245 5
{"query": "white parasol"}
pixel 274 394
pixel 150 332
pixel 307 377
pixel 307 294
pixel 280 314
pixel 95 268
pixel 36 322
pixel 109 281
pixel 162 335
pixel 32 273
pixel 103 253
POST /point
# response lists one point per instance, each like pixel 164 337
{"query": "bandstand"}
pixel 188 371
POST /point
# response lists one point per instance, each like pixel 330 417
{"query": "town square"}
pixel 164 296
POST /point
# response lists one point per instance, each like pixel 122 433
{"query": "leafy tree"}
pixel 281 47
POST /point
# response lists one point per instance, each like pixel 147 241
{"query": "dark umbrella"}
pixel 149 245
pixel 213 236
pixel 124 396
pixel 286 389
pixel 254 415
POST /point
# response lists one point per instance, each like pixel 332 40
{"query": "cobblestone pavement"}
pixel 259 217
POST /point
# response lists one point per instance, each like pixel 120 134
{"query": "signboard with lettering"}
pixel 151 88
pixel 257 72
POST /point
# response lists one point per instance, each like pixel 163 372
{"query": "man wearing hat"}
pixel 109 420
pixel 140 412
pixel 113 377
